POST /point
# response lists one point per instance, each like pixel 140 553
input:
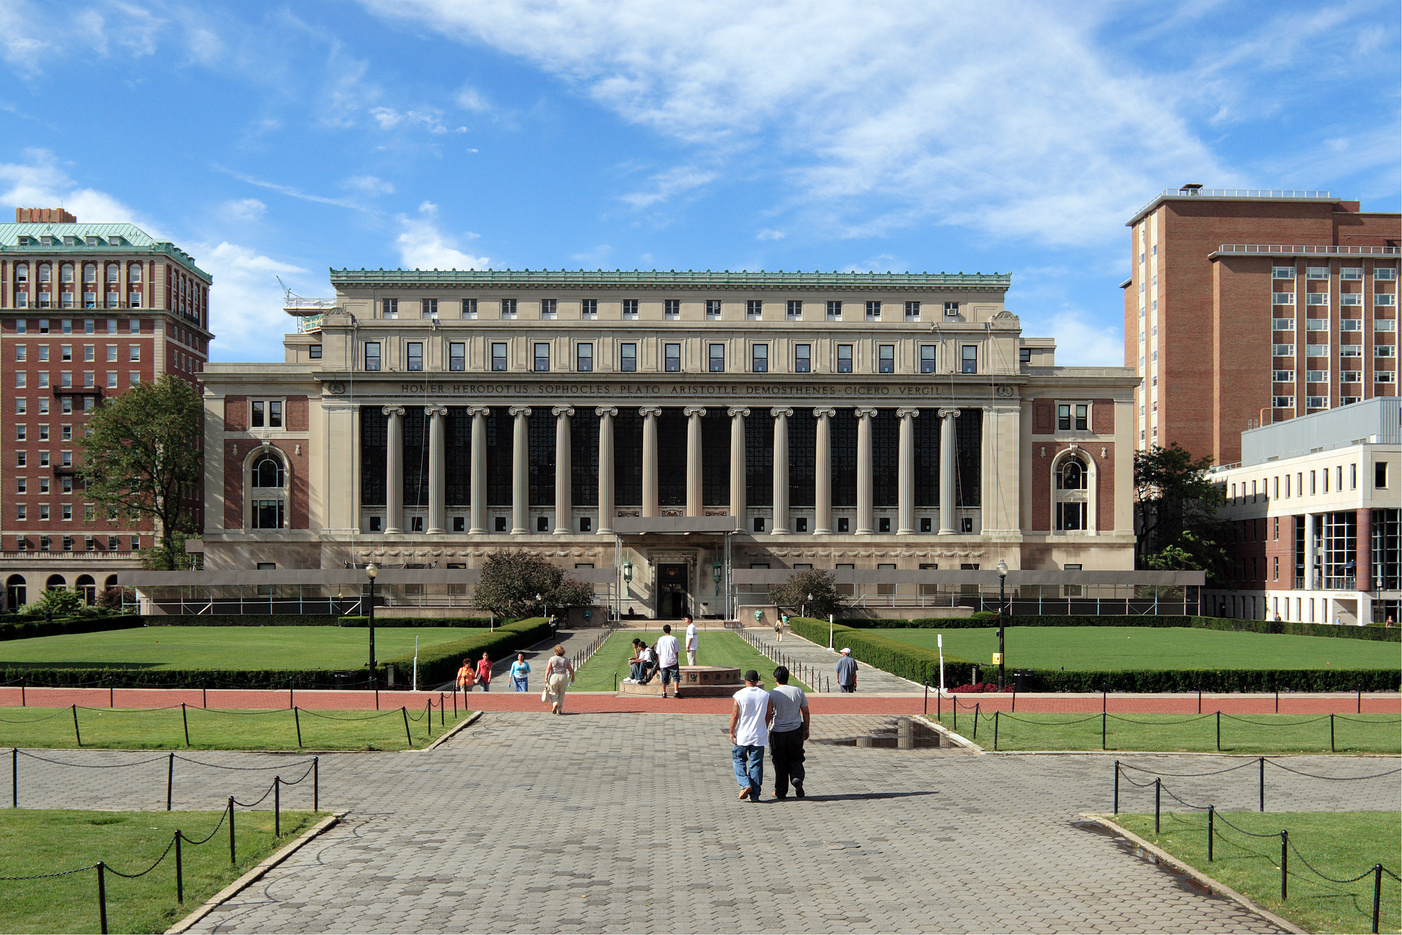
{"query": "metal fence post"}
pixel 277 806
pixel 232 858
pixel 102 895
pixel 179 870
pixel 1219 731
pixel 14 777
pixel 1158 788
pixel 170 779
pixel 78 736
pixel 405 711
pixel 1263 784
pixel 1284 860
pixel 1211 829
pixel 297 719
pixel 316 783
pixel 995 729
pixel 1377 894
pixel 1331 732
pixel 1117 787
pixel 185 719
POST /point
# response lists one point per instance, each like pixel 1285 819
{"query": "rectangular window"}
pixel 793 309
pixel 469 308
pixel 671 309
pixel 886 358
pixel 835 310
pixel 1317 298
pixel 65 352
pixel 1384 298
pixel 498 355
pixel 1316 272
pixel 314 352
pixel 1282 298
pixel 802 358
pixel 844 358
pixel 713 309
pixel 1283 376
pixel 628 358
pixel 1316 376
pixel 89 353
pixel 951 310
pixel 1349 299
pixel 428 308
pixel 589 309
pixel 1316 402
pixel 873 311
pixel 1282 272
pixel 275 414
pixel 1350 324
pixel 257 414
pixel 912 311
pixel 927 358
pixel 414 355
pixel 1082 417
pixel 754 309
pixel 584 358
pixel 1351 272
pixel 1024 355
pixel 111 379
pixel 1385 272
pixel 1380 475
pixel 1283 324
pixel 968 359
pixel 1063 417
pixel 1316 350
pixel 630 309
pixel 541 357
pixel 134 352
pixel 716 358
pixel 389 308
pixel 548 308
pixel 759 358
pixel 1351 376
pixel 508 308
pixel 457 355
pixel 672 358
pixel 112 353
pixel 1379 350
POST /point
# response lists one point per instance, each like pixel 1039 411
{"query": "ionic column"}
pixel 781 470
pixel 947 417
pixel 864 417
pixel 737 464
pixel 394 470
pixel 822 473
pixel 905 474
pixel 437 517
pixel 650 415
pixel 477 484
pixel 563 469
pixel 520 470
pixel 693 460
pixel 606 510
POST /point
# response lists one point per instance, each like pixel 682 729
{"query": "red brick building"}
pixel 86 311
pixel 1247 307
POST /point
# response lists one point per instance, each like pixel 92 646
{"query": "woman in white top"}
pixel 558 675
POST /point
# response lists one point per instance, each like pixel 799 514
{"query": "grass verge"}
pixel 717 648
pixel 35 842
pixel 1258 733
pixel 1337 844
pixel 220 729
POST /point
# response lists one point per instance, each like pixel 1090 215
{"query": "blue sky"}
pixel 280 139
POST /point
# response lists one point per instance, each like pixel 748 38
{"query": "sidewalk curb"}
pixel 252 876
pixel 1164 857
pixel 476 716
pixel 957 739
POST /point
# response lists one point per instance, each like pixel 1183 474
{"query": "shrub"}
pixel 57 602
pixel 910 662
pixel 440 664
pixel 25 628
pixel 987 619
pixel 307 620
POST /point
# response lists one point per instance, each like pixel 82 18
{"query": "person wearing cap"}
pixel 787 734
pixel 749 735
pixel 691 644
pixel 847 671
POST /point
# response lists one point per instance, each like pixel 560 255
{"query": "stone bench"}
pixel 696 682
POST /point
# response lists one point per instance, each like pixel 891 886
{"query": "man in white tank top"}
pixel 749 733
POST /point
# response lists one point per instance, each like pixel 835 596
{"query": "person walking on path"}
pixel 484 672
pixel 847 671
pixel 668 660
pixel 749 734
pixel 520 673
pixel 690 641
pixel 466 676
pixel 787 734
pixel 559 674
pixel 779 628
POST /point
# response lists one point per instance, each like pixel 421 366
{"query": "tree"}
pixel 1176 505
pixel 511 579
pixel 794 593
pixel 143 459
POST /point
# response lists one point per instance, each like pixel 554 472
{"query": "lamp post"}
pixel 627 581
pixel 372 571
pixel 809 598
pixel 715 575
pixel 1002 580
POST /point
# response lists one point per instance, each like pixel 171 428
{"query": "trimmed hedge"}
pixel 306 620
pixel 440 664
pixel 1380 634
pixel 30 626
pixel 910 662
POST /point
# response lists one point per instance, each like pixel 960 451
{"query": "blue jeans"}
pixel 519 683
pixel 749 767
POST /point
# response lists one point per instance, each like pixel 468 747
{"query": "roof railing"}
pixel 1308 249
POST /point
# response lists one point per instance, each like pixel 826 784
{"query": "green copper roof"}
pixel 708 279
pixel 132 239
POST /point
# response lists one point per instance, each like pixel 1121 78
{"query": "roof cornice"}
pixel 657 279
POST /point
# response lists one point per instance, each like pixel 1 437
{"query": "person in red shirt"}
pixel 484 672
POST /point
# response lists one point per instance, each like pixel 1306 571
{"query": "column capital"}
pixel 740 411
pixel 784 411
pixel 646 411
pixel 435 410
pixel 520 410
pixel 694 411
pixel 907 413
pixel 862 412
pixel 475 411
pixel 558 411
pixel 393 410
pixel 824 412
pixel 948 413
pixel 603 411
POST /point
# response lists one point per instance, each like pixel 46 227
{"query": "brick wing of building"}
pixel 682 423
pixel 86 311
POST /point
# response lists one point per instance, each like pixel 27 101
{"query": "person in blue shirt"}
pixel 520 673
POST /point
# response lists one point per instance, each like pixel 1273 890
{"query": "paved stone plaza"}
pixel 614 823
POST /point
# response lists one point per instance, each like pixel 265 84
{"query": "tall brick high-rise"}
pixel 1249 307
pixel 86 311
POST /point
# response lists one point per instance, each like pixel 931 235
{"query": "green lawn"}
pixel 214 729
pixel 1256 733
pixel 1109 648
pixel 34 842
pixel 717 648
pixel 233 648
pixel 1338 844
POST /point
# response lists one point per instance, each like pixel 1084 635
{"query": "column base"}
pixel 905 532
pixel 778 532
pixel 519 530
pixel 862 532
pixel 560 531
pixel 945 532
pixel 393 531
pixel 476 531
pixel 822 532
pixel 434 531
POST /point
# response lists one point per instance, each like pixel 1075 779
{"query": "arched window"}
pixel 86 586
pixel 44 272
pixel 65 272
pixel 55 583
pixel 1071 475
pixel 113 271
pixel 134 273
pixel 1072 499
pixel 21 272
pixel 16 594
pixel 267 484
pixel 89 272
pixel 268 472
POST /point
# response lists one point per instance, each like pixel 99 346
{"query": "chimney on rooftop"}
pixel 43 216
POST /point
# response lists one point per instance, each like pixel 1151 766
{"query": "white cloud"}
pixel 21 31
pixel 470 99
pixel 290 191
pixel 422 245
pixel 1081 340
pixel 244 209
pixel 664 185
pixel 769 234
pixel 368 184
pixel 388 118
pixel 41 182
pixel 245 301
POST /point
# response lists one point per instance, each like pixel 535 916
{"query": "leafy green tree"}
pixel 58 602
pixel 1176 506
pixel 793 594
pixel 143 458
pixel 511 579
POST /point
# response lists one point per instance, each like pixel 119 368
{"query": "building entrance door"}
pixel 672 591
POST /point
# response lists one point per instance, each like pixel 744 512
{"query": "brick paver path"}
pixel 612 823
